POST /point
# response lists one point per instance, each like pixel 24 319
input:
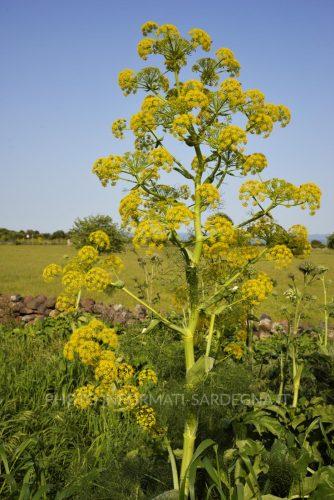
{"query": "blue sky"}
pixel 59 96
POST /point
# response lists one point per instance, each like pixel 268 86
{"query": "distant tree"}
pixel 58 235
pixel 330 241
pixel 82 228
pixel 317 244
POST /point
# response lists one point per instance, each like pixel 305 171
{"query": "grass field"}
pixel 21 268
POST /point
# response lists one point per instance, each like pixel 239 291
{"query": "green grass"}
pixel 21 268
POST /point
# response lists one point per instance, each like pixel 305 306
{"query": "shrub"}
pixel 330 241
pixel 82 228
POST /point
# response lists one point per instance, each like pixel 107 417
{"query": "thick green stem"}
pixel 189 437
pixel 325 339
pixel 173 465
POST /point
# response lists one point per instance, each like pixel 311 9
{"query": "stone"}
pixel 28 317
pixel 42 308
pixel 87 305
pixel 98 308
pixel 265 323
pixel 17 307
pixel 54 313
pixel 140 312
pixel 50 302
pixel 26 310
pixel 16 298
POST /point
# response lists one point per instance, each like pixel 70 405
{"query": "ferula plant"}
pixel 219 257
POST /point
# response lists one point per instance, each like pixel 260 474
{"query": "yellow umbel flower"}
pixel 221 234
pixel 118 128
pixel 84 397
pixel 256 290
pixel 151 104
pixel 108 169
pixel 106 371
pixel 129 206
pixel 100 239
pixel 107 336
pixel 239 256
pixel 254 163
pixel 151 233
pixel 65 303
pixel 200 37
pixel 228 61
pixel 97 279
pixel 148 27
pixel 260 123
pixel 231 138
pixel 281 255
pixel 231 91
pixel 127 81
pixel 192 93
pixel 178 215
pixel 125 371
pixel 209 194
pixel 168 29
pixel 142 122
pixel 309 194
pixel 183 124
pixel 88 254
pixel 145 417
pixel 145 47
pixel 51 271
pixel 73 281
pixel 252 189
pixel 147 376
pixel 114 262
pixel 161 158
pixel 88 352
pixel 235 350
pixel 128 396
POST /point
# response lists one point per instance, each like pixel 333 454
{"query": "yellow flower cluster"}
pixel 88 341
pixel 260 123
pixel 51 271
pixel 201 38
pixel 150 233
pixel 88 254
pixel 151 104
pixel 145 47
pixel 161 158
pixel 128 396
pixel 182 125
pixel 309 194
pixel 127 81
pixel 114 262
pixel 97 279
pixel 142 122
pixel 231 91
pixel 281 255
pixel 118 128
pixel 241 335
pixel 252 189
pixel 235 350
pixel 100 239
pixel 209 194
pixel 125 371
pixel 129 206
pixel 148 27
pixel 261 115
pixel 108 169
pixel 254 163
pixel 65 303
pixel 240 256
pixel 228 61
pixel 106 371
pixel 145 417
pixel 299 240
pixel 168 29
pixel 231 138
pixel 73 281
pixel 192 92
pixel 221 234
pixel 178 215
pixel 147 376
pixel 84 396
pixel 256 290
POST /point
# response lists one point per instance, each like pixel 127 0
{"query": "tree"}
pixel 330 241
pixel 219 258
pixel 82 228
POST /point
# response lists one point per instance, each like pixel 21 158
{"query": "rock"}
pixel 50 302
pixel 36 301
pixel 17 307
pixel 16 298
pixel 266 323
pixel 27 298
pixel 42 308
pixel 140 312
pixel 28 317
pixel 98 308
pixel 87 305
pixel 26 310
pixel 54 313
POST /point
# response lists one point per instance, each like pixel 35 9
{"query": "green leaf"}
pixel 199 370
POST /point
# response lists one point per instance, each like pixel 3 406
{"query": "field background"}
pixel 21 268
